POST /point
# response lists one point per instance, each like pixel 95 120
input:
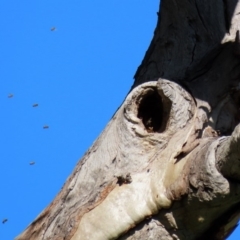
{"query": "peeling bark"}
pixel 167 164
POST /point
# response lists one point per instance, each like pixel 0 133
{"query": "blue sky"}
pixel 78 74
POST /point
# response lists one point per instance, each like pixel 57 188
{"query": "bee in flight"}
pixel 4 220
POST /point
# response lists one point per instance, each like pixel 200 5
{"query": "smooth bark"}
pixel 167 165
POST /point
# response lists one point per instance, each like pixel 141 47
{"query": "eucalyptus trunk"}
pixel 167 166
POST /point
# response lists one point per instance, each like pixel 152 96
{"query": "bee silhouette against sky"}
pixel 4 220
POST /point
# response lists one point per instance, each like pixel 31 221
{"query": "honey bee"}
pixel 53 29
pixel 32 163
pixel 4 220
pixel 35 105
pixel 10 95
pixel 124 179
pixel 45 127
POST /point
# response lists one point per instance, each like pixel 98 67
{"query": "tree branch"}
pixel 228 155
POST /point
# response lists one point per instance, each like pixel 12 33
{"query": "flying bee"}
pixel 53 29
pixel 4 220
pixel 32 163
pixel 45 127
pixel 35 105
pixel 10 95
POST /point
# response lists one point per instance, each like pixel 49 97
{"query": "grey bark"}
pixel 167 165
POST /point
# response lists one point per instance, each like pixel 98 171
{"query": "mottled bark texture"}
pixel 167 166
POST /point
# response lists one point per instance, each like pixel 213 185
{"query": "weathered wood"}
pixel 167 164
pixel 228 155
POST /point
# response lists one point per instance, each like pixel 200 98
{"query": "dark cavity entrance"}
pixel 150 110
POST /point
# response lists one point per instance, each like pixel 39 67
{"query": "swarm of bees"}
pixel 10 95
pixel 44 127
